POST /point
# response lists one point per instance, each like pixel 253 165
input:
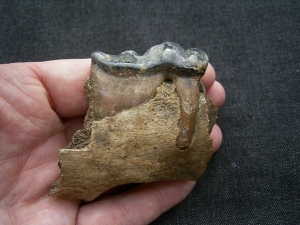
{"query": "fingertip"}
pixel 217 137
pixel 217 94
pixel 209 77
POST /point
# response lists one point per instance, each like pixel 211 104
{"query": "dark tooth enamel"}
pixel 144 74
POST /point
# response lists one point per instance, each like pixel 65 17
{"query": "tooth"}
pixel 188 90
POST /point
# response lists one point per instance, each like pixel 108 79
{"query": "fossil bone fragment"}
pixel 149 119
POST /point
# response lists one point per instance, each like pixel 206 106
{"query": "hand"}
pixel 41 107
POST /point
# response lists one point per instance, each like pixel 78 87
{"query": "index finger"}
pixel 64 82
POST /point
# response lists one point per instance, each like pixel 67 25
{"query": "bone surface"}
pixel 149 119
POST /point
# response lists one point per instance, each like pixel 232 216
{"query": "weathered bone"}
pixel 137 104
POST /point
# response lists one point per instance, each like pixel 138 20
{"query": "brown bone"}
pixel 143 111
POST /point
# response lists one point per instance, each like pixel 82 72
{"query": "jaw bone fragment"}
pixel 148 119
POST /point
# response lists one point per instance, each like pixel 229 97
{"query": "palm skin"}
pixel 41 106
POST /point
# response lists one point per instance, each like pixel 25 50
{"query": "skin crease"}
pixel 41 106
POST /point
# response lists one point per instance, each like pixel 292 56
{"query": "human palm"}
pixel 41 107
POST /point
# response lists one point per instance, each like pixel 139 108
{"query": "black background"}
pixel 254 48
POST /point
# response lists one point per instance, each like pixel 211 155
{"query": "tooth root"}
pixel 188 91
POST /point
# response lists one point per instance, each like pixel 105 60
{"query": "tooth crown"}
pixel 134 80
pixel 190 62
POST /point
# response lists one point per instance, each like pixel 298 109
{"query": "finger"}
pixel 64 81
pixel 217 94
pixel 138 206
pixel 209 77
pixel 216 135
